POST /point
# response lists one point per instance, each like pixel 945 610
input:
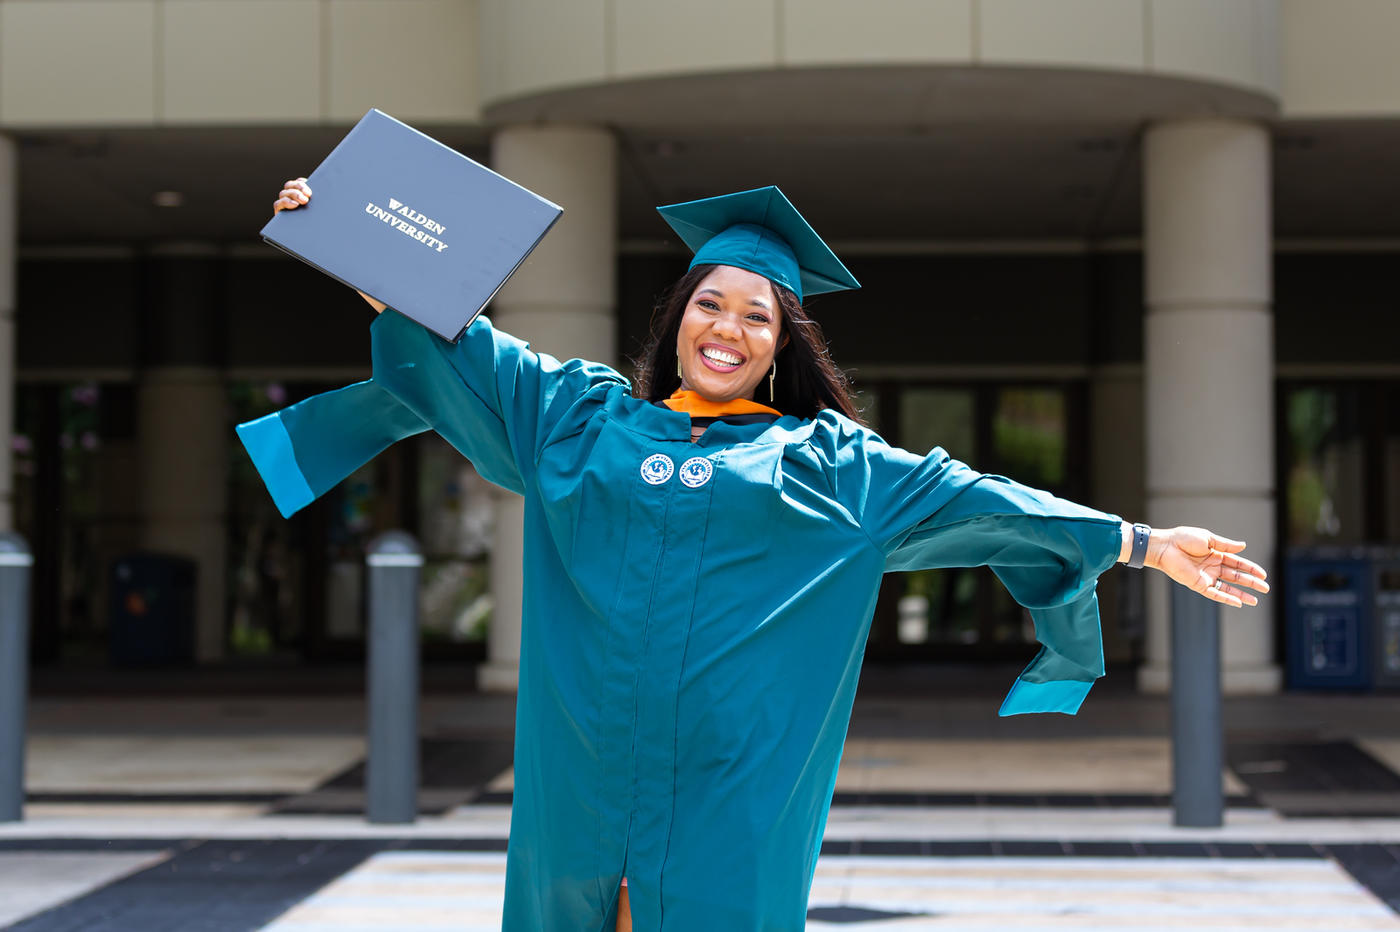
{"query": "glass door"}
pixel 1030 432
pixel 298 585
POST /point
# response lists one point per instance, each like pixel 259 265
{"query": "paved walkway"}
pixel 233 814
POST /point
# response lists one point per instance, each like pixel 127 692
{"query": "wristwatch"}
pixel 1141 535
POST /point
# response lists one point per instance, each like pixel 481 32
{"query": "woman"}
pixel 701 566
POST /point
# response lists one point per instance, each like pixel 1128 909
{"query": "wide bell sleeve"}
pixel 935 512
pixel 489 394
pixel 303 450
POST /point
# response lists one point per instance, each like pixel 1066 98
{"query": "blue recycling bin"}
pixel 151 606
pixel 1385 596
pixel 1329 618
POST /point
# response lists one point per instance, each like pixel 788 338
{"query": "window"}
pixel 1028 431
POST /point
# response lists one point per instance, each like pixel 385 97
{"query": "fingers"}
pixel 1229 587
pixel 294 194
pixel 1247 567
pixel 1244 579
pixel 1229 595
pixel 1225 544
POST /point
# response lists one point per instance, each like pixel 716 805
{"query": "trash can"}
pixel 1385 594
pixel 150 619
pixel 1328 618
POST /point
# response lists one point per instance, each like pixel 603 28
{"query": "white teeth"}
pixel 720 356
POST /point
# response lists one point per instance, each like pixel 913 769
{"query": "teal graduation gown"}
pixel 695 614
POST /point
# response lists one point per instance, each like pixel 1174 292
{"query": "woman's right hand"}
pixel 294 194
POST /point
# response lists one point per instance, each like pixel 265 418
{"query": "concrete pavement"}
pixel 231 812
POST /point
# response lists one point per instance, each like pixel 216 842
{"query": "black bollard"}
pixel 391 779
pixel 1198 738
pixel 15 564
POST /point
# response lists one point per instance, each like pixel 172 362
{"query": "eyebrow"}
pixel 758 302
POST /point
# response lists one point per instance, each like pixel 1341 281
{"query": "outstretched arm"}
pixel 930 512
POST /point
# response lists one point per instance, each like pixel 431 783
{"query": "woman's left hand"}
pixel 1206 563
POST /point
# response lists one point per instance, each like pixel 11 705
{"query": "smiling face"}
pixel 730 332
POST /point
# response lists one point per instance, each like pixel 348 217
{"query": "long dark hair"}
pixel 808 380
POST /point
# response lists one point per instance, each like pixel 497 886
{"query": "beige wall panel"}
pixel 77 61
pixel 664 36
pixel 838 31
pixel 1339 57
pixel 1077 33
pixel 545 43
pixel 1266 37
pixel 1207 39
pixel 491 57
pixel 249 60
pixel 415 59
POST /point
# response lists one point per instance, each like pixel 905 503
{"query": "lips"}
pixel 719 358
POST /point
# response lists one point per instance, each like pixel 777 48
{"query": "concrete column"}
pixel 183 428
pixel 563 301
pixel 184 438
pixel 9 260
pixel 1115 469
pixel 1208 368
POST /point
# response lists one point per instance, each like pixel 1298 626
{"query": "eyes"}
pixel 758 317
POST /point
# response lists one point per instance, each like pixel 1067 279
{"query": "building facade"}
pixel 1139 252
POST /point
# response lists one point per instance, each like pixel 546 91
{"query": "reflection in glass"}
pixel 1029 435
pixel 1325 466
pixel 1390 468
pixel 938 417
pixel 1028 431
pixel 73 473
pixel 267 556
pixel 939 606
pixel 456 515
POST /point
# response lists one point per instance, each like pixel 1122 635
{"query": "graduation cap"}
pixel 762 232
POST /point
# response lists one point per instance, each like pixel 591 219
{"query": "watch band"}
pixel 1141 535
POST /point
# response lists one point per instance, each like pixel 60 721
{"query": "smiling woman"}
pixel 701 571
pixel 735 346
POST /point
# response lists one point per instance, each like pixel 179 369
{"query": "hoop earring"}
pixel 771 376
pixel 679 373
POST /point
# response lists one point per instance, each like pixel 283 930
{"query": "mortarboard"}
pixel 762 232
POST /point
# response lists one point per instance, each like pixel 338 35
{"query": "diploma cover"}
pixel 410 222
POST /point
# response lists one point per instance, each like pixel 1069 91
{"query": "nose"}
pixel 726 326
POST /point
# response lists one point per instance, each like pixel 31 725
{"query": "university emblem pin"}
pixel 696 471
pixel 657 468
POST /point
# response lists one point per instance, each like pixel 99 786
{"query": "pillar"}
pixel 562 300
pixel 183 430
pixel 1116 469
pixel 1208 368
pixel 9 261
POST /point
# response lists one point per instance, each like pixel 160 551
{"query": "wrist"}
pixel 1156 546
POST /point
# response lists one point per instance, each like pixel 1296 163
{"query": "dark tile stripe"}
pixel 215 886
pixel 450 772
pixel 1376 867
pixel 444 764
pixel 1306 778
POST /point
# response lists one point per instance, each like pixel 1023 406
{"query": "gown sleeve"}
pixel 489 395
pixel 303 450
pixel 934 512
